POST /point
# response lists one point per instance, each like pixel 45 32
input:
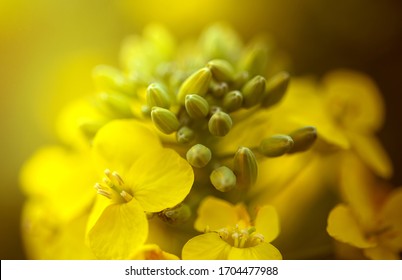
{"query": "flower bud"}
pixel 303 139
pixel 276 145
pixel 220 124
pixel 198 155
pixel 253 91
pixel 245 168
pixel 196 106
pixel 221 69
pixel 197 83
pixel 157 96
pixel 255 58
pixel 223 179
pixel 176 215
pixel 219 88
pixel 115 104
pixel 164 120
pixel 185 135
pixel 275 89
pixel 232 101
pixel 109 78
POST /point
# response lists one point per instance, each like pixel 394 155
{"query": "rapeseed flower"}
pixel 230 234
pixel 198 133
pixel 369 216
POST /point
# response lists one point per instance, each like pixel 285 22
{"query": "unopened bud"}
pixel 157 96
pixel 245 168
pixel 253 91
pixel 197 83
pixel 223 179
pixel 276 145
pixel 303 139
pixel 185 135
pixel 196 106
pixel 221 70
pixel 176 215
pixel 275 89
pixel 115 104
pixel 255 59
pixel 232 101
pixel 219 88
pixel 110 78
pixel 164 120
pixel 198 155
pixel 220 124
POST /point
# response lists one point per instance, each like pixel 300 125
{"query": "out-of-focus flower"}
pixel 230 234
pixel 369 218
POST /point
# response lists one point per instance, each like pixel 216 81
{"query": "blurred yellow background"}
pixel 48 48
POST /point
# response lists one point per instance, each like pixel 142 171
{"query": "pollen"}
pixel 113 187
pixel 241 237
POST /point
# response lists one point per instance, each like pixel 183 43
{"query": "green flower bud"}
pixel 109 78
pixel 199 155
pixel 276 145
pixel 223 179
pixel 275 89
pixel 176 215
pixel 303 139
pixel 219 88
pixel 253 91
pixel 115 104
pixel 220 124
pixel 255 59
pixel 185 135
pixel 164 120
pixel 232 101
pixel 196 106
pixel 157 96
pixel 221 70
pixel 245 168
pixel 197 83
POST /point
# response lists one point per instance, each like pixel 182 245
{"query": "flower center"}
pixel 112 186
pixel 241 238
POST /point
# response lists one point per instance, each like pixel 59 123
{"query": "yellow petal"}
pixel 392 218
pixel 263 251
pixel 358 189
pixel 372 153
pixel 354 98
pixel 343 227
pixel 119 232
pixel 45 235
pixel 267 223
pixel 214 213
pixel 60 179
pixel 160 179
pixel 118 143
pixel 153 252
pixel 72 117
pixel 381 253
pixel 207 246
pixel 303 105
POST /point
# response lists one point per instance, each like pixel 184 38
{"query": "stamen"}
pixel 112 181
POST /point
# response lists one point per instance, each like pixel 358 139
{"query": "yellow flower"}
pixel 229 234
pixel 139 176
pixel 370 218
pixel 61 180
pixel 355 105
pixel 153 252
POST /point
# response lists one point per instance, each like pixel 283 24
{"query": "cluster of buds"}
pixel 196 103
pixel 205 102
